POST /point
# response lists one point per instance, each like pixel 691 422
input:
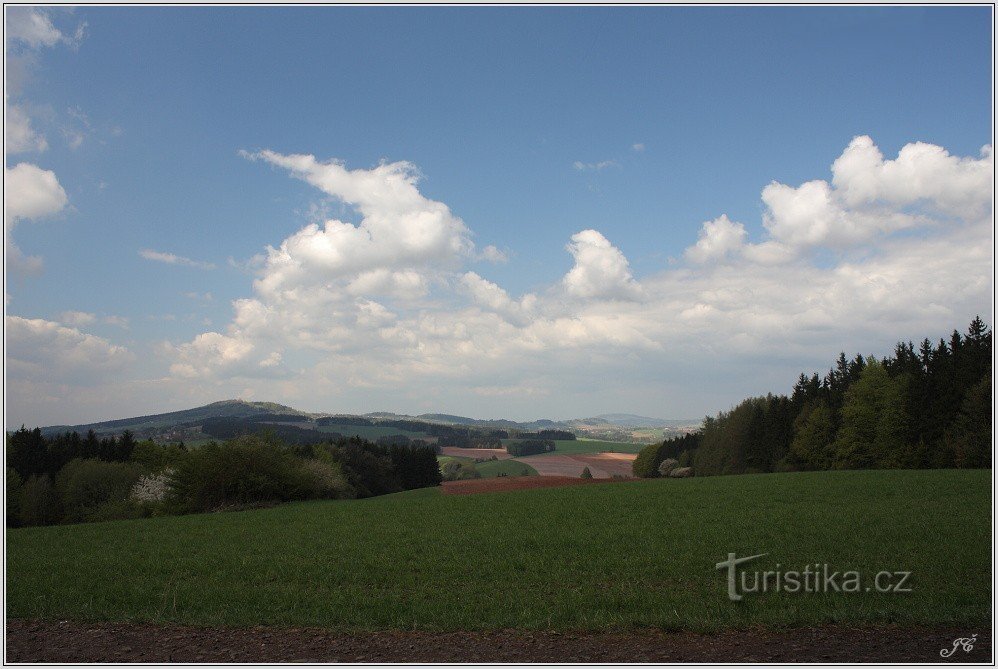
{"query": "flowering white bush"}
pixel 152 488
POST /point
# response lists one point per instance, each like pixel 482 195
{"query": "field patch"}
pixel 483 453
pixel 509 484
pixel 604 557
pixel 503 468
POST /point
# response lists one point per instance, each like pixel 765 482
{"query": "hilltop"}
pixel 186 424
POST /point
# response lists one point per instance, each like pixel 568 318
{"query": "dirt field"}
pixel 614 464
pixel 484 453
pixel 53 641
pixel 601 465
pixel 507 483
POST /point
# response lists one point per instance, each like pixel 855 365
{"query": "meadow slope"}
pixel 595 557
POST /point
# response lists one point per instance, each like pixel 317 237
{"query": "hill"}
pixel 186 424
pixel 143 425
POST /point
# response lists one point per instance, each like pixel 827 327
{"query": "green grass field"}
pixel 610 556
pixel 586 446
pixel 508 467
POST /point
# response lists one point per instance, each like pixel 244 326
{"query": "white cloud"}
pixel 600 271
pixel 42 350
pixel 21 137
pixel 77 318
pixel 410 325
pixel 117 321
pixel 637 147
pixel 494 255
pixel 173 259
pixel 868 199
pixel 199 297
pixel 594 167
pixel 33 27
pixel 717 239
pixel 31 192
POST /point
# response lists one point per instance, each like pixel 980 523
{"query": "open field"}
pixel 586 446
pixel 505 467
pixel 601 466
pixel 613 556
pixel 473 453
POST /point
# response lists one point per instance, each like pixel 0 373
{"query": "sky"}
pixel 495 212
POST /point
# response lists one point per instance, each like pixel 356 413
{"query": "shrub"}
pixel 122 509
pixel 667 466
pixel 455 470
pixel 243 471
pixel 586 474
pixel 648 460
pixel 84 485
pixel 13 497
pixel 325 480
pixel 681 473
pixel 368 469
pixel 152 488
pixel 39 501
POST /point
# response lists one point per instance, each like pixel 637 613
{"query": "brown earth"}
pixel 508 483
pixel 614 464
pixel 552 464
pixel 601 465
pixel 64 641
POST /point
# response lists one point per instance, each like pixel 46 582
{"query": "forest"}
pixel 924 407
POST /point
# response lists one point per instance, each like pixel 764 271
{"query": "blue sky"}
pixel 531 125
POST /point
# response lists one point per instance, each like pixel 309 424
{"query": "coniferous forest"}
pixel 922 407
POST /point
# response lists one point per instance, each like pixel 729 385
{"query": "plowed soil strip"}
pixel 51 641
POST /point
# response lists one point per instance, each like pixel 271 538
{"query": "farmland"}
pixel 593 557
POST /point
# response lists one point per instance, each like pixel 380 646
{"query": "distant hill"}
pixel 141 425
pixel 631 420
pixel 186 424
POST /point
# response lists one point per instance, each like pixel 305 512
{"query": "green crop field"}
pixel 494 468
pixel 586 446
pixel 601 556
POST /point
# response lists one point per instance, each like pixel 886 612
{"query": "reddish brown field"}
pixel 614 464
pixel 601 465
pixel 508 483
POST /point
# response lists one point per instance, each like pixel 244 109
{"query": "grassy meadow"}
pixel 603 556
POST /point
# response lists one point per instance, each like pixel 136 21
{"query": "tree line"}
pixel 66 478
pixel 921 407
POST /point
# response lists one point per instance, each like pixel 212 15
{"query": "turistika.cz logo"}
pixel 815 577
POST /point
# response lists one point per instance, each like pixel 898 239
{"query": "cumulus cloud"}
pixel 867 199
pixel 369 311
pixel 42 350
pixel 30 193
pixel 21 137
pixel 717 239
pixel 600 271
pixel 174 259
